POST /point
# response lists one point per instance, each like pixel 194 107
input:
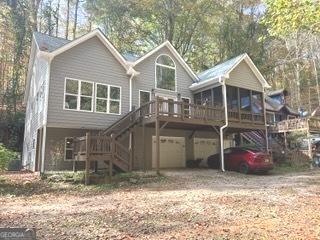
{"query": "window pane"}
pixel 71 102
pixel 86 103
pixel 165 78
pixel 102 91
pixel 115 93
pixel 114 107
pixel 69 154
pixel 144 97
pixel 165 60
pixel 69 142
pixel 72 86
pixel 101 105
pixel 86 88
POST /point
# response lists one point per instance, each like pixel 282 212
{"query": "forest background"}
pixel 281 36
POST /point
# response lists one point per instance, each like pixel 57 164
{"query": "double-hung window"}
pixel 108 99
pixel 78 95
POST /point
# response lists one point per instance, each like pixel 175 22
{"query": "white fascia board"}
pixel 209 82
pixel 175 54
pixel 102 38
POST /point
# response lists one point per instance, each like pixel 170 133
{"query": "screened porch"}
pixel 244 106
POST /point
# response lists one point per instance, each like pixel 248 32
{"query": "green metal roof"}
pixel 220 69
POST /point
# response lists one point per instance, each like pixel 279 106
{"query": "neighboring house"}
pixel 154 110
pixel 277 107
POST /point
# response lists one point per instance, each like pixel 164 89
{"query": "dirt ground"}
pixel 184 204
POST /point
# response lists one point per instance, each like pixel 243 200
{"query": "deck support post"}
pixel 87 173
pixel 112 149
pixel 157 131
pixel 143 147
pixel 267 140
pixel 130 150
pixel 285 141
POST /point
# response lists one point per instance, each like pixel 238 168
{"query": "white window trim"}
pixel 145 92
pixel 166 66
pixel 108 99
pixel 78 95
pixel 65 150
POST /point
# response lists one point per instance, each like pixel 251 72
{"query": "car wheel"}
pixel 244 168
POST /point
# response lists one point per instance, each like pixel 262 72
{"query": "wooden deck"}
pixel 311 125
pixel 160 113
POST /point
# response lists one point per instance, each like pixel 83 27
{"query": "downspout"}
pixel 130 92
pixel 224 93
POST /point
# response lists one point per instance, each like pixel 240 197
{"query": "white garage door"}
pixel 204 147
pixel 172 152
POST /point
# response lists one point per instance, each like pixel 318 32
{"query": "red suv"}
pixel 244 160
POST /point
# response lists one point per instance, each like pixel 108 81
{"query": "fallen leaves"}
pixel 188 205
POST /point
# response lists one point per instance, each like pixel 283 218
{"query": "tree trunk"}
pixel 56 16
pixel 34 14
pixel 75 19
pixel 67 20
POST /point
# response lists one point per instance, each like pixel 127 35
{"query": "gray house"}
pixel 88 103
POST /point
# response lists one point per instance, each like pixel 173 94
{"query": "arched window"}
pixel 165 73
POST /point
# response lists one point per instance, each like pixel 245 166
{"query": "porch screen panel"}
pixel 197 98
pixel 207 97
pixel 257 104
pixel 217 97
pixel 245 101
pixel 232 98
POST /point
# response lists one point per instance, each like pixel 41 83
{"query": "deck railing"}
pixel 184 110
pixel 290 125
pixel 245 117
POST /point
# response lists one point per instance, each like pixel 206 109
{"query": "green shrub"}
pixel 6 156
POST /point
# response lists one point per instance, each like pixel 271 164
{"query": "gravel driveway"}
pixel 185 204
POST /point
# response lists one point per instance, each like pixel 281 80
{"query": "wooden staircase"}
pixel 256 138
pixel 106 146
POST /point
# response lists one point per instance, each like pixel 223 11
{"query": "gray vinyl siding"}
pixel 35 110
pixel 146 79
pixel 243 77
pixel 89 61
pixel 55 148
